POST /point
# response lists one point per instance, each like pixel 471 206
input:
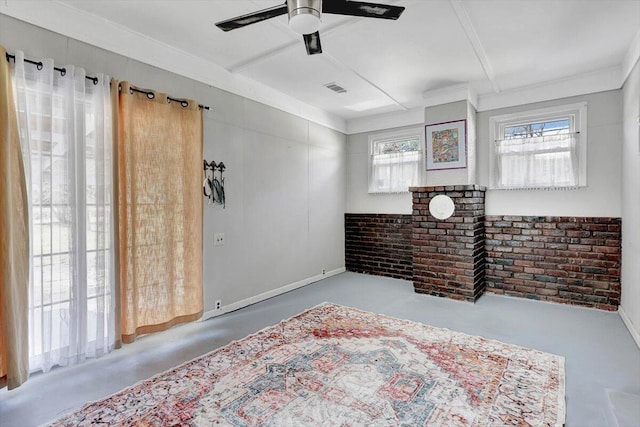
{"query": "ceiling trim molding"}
pixel 396 119
pixel 581 84
pixel 459 92
pixel 632 56
pixel 474 39
pixel 80 25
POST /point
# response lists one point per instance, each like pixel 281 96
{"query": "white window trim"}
pixel 578 113
pixel 417 132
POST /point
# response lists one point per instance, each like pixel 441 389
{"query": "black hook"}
pixel 216 185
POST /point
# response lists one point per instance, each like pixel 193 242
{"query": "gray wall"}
pixel 459 110
pixel 631 201
pixel 285 182
pixel 284 220
pixel 602 196
pixel 358 198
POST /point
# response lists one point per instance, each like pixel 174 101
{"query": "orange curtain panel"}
pixel 14 242
pixel 160 211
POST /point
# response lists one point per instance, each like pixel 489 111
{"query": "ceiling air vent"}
pixel 335 87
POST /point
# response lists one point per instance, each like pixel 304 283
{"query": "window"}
pixel 395 161
pixel 539 149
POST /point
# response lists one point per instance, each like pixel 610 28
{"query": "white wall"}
pixel 630 304
pixel 285 182
pixel 601 197
pixel 459 110
pixel 285 187
pixel 358 198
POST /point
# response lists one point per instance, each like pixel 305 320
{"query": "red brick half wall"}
pixel 571 260
pixel 379 244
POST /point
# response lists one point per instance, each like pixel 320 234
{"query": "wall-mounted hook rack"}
pixel 213 186
pixel 214 166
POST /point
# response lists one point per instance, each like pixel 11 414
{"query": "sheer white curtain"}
pixel 537 162
pixel 394 172
pixel 66 137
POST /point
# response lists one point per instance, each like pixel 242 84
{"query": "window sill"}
pixel 388 192
pixel 575 187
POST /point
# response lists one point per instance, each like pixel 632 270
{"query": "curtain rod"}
pixel 540 136
pixel 151 94
pixel 39 65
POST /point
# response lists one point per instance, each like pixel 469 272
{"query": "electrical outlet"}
pixel 218 239
pixel 218 304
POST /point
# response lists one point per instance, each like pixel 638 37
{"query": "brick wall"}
pixel 449 255
pixel 571 260
pixel 379 244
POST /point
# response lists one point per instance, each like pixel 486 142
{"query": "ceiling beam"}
pixel 459 92
pixel 250 62
pixel 246 63
pixel 630 58
pixel 326 31
pixel 366 80
pixel 465 21
pixel 297 43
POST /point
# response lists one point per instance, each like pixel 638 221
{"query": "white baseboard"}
pixel 630 326
pixel 269 294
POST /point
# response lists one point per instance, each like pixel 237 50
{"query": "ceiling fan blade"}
pixel 360 8
pixel 312 43
pixel 252 18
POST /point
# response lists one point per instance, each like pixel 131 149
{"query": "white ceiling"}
pixel 386 66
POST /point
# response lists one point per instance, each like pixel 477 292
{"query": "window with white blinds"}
pixel 395 161
pixel 542 149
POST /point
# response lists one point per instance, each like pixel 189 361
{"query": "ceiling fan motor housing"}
pixel 304 15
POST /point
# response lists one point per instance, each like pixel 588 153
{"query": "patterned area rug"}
pixel 338 366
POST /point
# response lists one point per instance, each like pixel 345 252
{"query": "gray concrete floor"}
pixel 601 356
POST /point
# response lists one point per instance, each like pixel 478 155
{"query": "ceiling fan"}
pixel 305 16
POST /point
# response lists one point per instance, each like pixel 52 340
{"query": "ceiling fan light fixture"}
pixel 304 15
pixel 305 22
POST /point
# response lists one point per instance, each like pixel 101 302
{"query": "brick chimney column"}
pixel 449 255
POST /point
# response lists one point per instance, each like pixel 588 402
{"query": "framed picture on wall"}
pixel 446 145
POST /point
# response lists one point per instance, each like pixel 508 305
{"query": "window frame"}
pixel 577 114
pixel 409 133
